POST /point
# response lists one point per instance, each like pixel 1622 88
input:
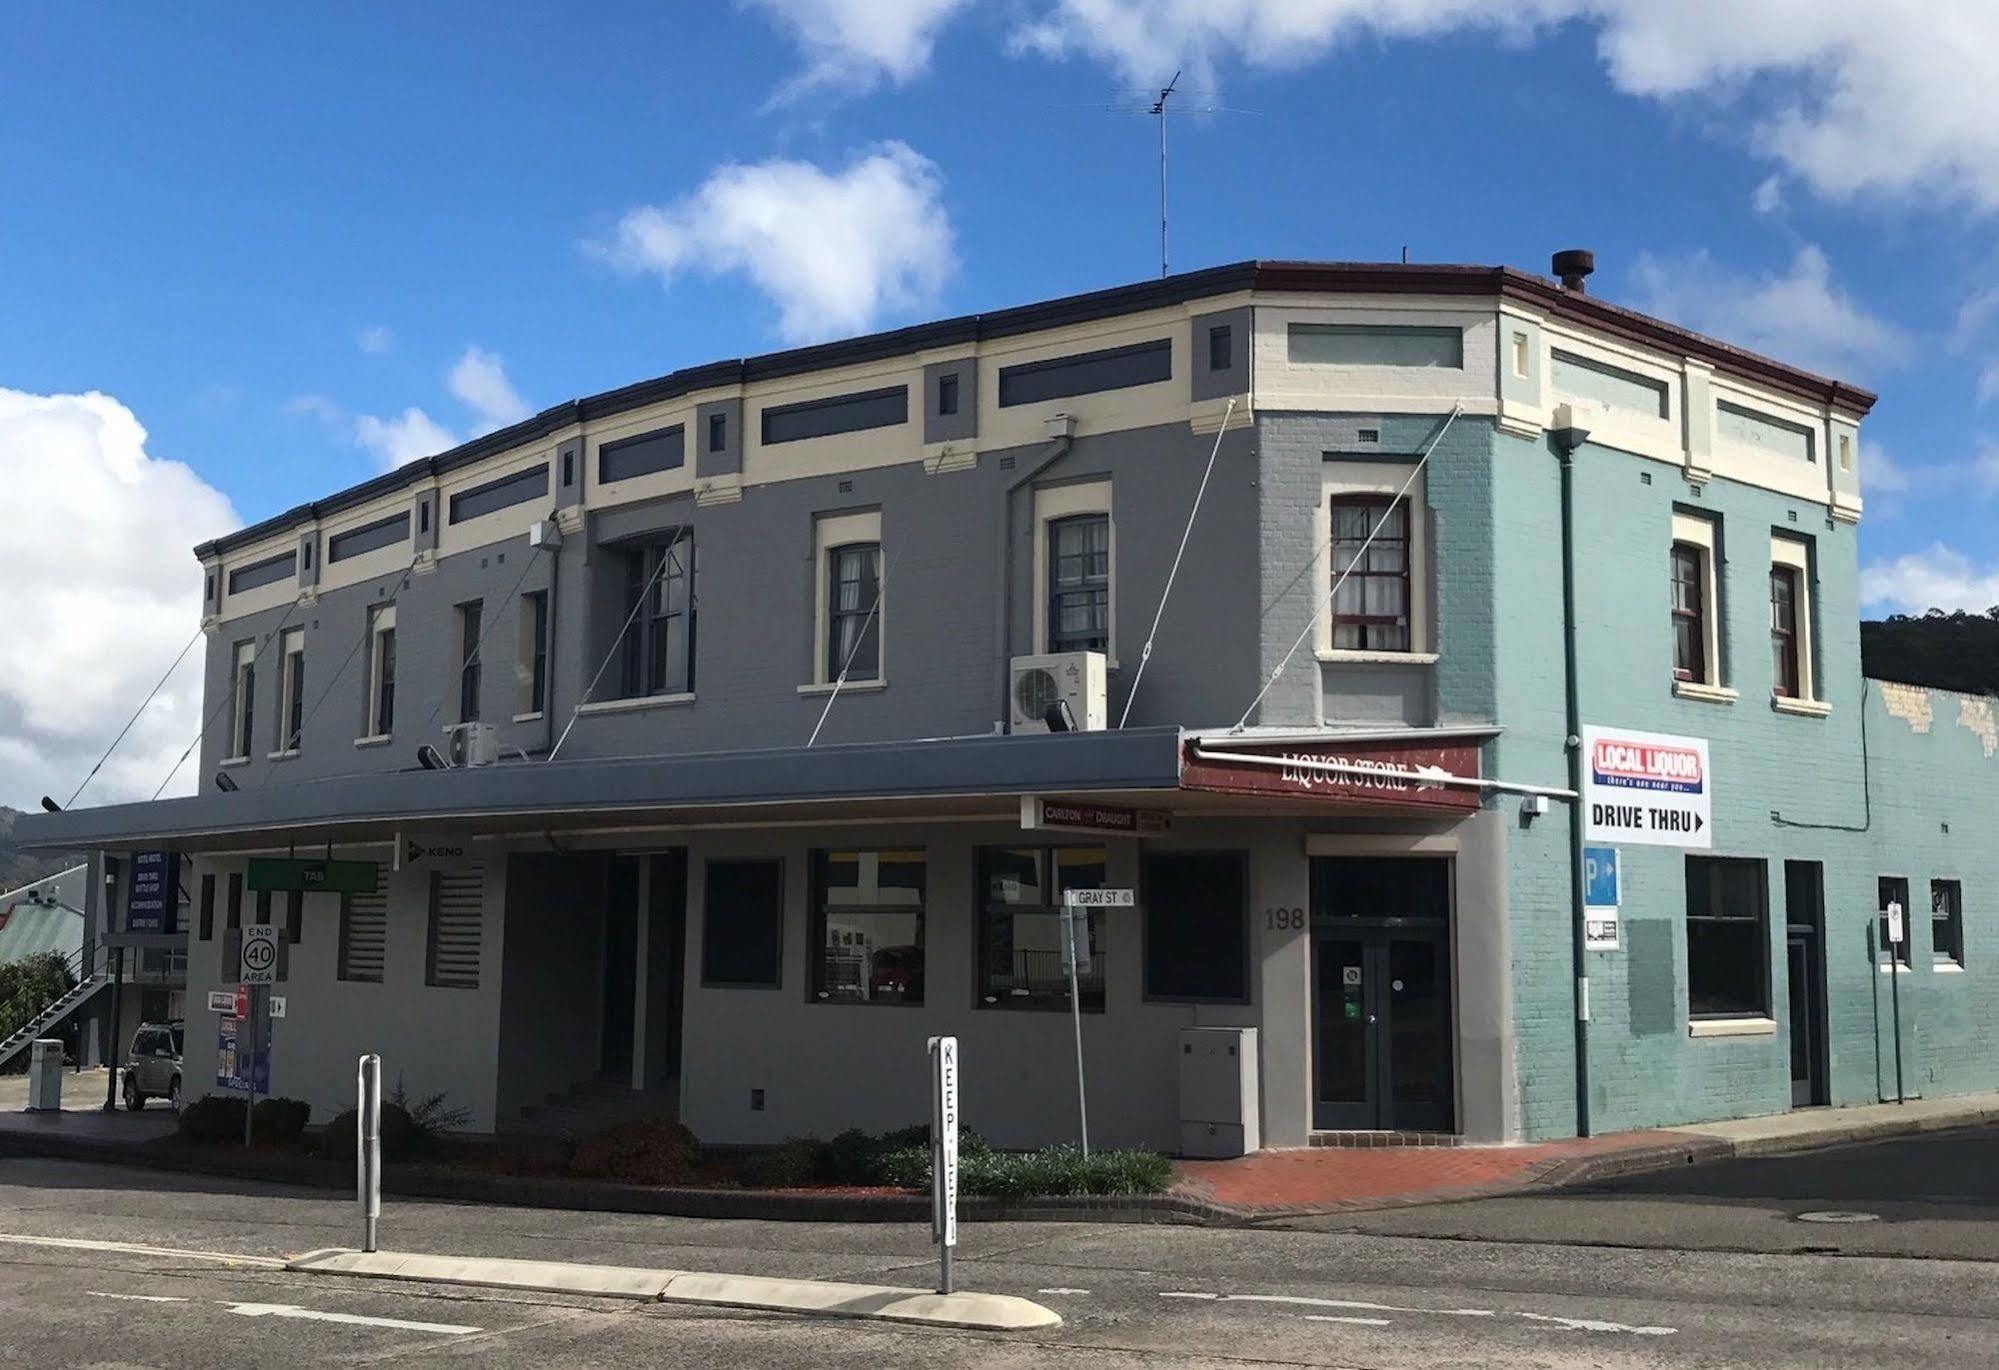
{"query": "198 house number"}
pixel 1283 919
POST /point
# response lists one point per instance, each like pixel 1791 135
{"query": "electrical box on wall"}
pixel 1219 1092
pixel 1068 687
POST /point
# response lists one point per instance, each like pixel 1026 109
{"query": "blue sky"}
pixel 301 243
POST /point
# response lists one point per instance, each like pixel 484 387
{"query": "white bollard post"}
pixel 368 1145
pixel 944 1156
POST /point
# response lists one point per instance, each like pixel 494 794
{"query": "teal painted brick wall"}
pixel 1645 1069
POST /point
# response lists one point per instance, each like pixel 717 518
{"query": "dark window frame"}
pixel 471 616
pixel 1087 373
pixel 817 912
pixel 1713 870
pixel 503 492
pixel 244 699
pixel 718 432
pixel 1787 663
pixel 859 412
pixel 291 676
pixel 1148 886
pixel 1693 617
pixel 776 866
pixel 381 675
pixel 947 393
pixel 1096 588
pixel 663 449
pixel 653 569
pixel 865 613
pixel 1377 513
pixel 1221 347
pixel 369 537
pixel 534 608
pixel 1949 950
pixel 1093 991
pixel 207 927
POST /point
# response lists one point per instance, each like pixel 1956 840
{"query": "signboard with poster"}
pixel 152 893
pixel 1647 789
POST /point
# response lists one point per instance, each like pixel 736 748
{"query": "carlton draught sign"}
pixel 1650 789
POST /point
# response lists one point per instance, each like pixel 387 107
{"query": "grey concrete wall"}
pixel 756 638
pixel 429 1039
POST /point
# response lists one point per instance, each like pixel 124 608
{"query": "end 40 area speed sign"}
pixel 260 954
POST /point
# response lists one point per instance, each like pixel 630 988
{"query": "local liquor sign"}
pixel 1389 773
pixel 1652 789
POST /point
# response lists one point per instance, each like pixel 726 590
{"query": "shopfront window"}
pixel 1020 926
pixel 867 922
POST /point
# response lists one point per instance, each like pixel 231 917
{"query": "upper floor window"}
pixel 243 723
pixel 531 655
pixel 853 634
pixel 1692 564
pixel 470 618
pixel 867 923
pixel 291 715
pixel 381 719
pixel 1792 670
pixel 947 393
pixel 1079 583
pixel 659 598
pixel 1947 922
pixel 1221 347
pixel 1371 565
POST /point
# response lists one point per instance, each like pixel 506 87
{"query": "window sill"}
pixel 374 740
pixel 531 716
pixel 625 706
pixel 1706 694
pixel 1804 708
pixel 228 762
pixel 1732 1027
pixel 286 755
pixel 849 688
pixel 1351 656
pixel 1947 968
pixel 1900 968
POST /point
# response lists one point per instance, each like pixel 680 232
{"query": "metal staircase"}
pixel 47 1015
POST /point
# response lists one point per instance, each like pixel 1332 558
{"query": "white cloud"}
pixel 102 591
pixel 1988 383
pixel 404 438
pixel 1849 96
pixel 835 250
pixel 855 45
pixel 1800 317
pixel 1881 474
pixel 376 339
pixel 479 380
pixel 1768 197
pixel 1938 577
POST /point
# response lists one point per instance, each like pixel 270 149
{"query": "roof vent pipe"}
pixel 1573 267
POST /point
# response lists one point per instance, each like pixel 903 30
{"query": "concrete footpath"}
pixel 1267 1186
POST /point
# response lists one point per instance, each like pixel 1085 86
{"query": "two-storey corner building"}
pixel 716 740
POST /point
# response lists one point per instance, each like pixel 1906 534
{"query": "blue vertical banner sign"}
pixel 152 896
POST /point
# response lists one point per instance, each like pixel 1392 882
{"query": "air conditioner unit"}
pixel 1042 683
pixel 472 744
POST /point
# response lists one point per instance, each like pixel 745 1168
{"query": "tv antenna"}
pixel 1169 100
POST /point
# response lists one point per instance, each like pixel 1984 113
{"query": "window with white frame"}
pixel 852 602
pixel 1075 559
pixel 381 720
pixel 1375 559
pixel 1695 620
pixel 1792 667
pixel 243 721
pixel 291 701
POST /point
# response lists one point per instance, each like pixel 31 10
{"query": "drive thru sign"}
pixel 1646 789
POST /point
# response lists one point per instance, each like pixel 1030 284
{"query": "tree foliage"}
pixel 29 985
pixel 1954 651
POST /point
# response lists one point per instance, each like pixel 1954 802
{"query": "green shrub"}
pixel 28 986
pixel 279 1120
pixel 429 1117
pixel 400 1139
pixel 643 1151
pixel 1057 1172
pixel 850 1158
pixel 213 1118
pixel 788 1165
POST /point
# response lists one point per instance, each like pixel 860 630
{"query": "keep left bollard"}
pixel 368 1145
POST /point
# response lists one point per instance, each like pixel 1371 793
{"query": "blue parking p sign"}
pixel 1600 881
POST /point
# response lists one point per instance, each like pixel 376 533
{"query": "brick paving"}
pixel 1328 1179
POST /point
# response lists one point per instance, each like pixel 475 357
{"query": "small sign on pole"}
pixel 1075 925
pixel 260 954
pixel 1896 932
pixel 1602 897
pixel 943 1154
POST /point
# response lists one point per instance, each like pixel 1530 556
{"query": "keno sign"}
pixel 1649 789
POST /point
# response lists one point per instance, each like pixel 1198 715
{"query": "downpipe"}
pixel 1566 441
pixel 1003 591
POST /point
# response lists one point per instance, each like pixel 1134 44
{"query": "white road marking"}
pixel 1358 1322
pixel 136 1298
pixel 1306 1301
pixel 292 1310
pixel 133 1249
pixel 1060 1290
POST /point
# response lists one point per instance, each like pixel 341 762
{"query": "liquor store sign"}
pixel 1648 789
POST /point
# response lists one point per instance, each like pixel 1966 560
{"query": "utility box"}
pixel 45 1075
pixel 1218 1092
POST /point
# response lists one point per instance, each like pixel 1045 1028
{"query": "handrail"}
pixel 74 966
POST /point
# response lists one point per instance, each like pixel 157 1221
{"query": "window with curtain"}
pixel 853 620
pixel 1371 606
pixel 660 600
pixel 1689 568
pixel 1079 584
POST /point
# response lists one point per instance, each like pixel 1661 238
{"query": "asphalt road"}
pixel 1131 1295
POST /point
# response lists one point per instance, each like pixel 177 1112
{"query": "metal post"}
pixel 247 1059
pixel 944 1156
pixel 1578 912
pixel 368 1145
pixel 111 1032
pixel 1895 996
pixel 1069 949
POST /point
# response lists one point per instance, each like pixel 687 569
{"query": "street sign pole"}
pixel 1896 934
pixel 943 1155
pixel 1072 916
pixel 368 1145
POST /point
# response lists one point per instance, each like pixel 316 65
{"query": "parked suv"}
pixel 152 1071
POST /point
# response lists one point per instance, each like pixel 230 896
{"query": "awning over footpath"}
pixel 1412 770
